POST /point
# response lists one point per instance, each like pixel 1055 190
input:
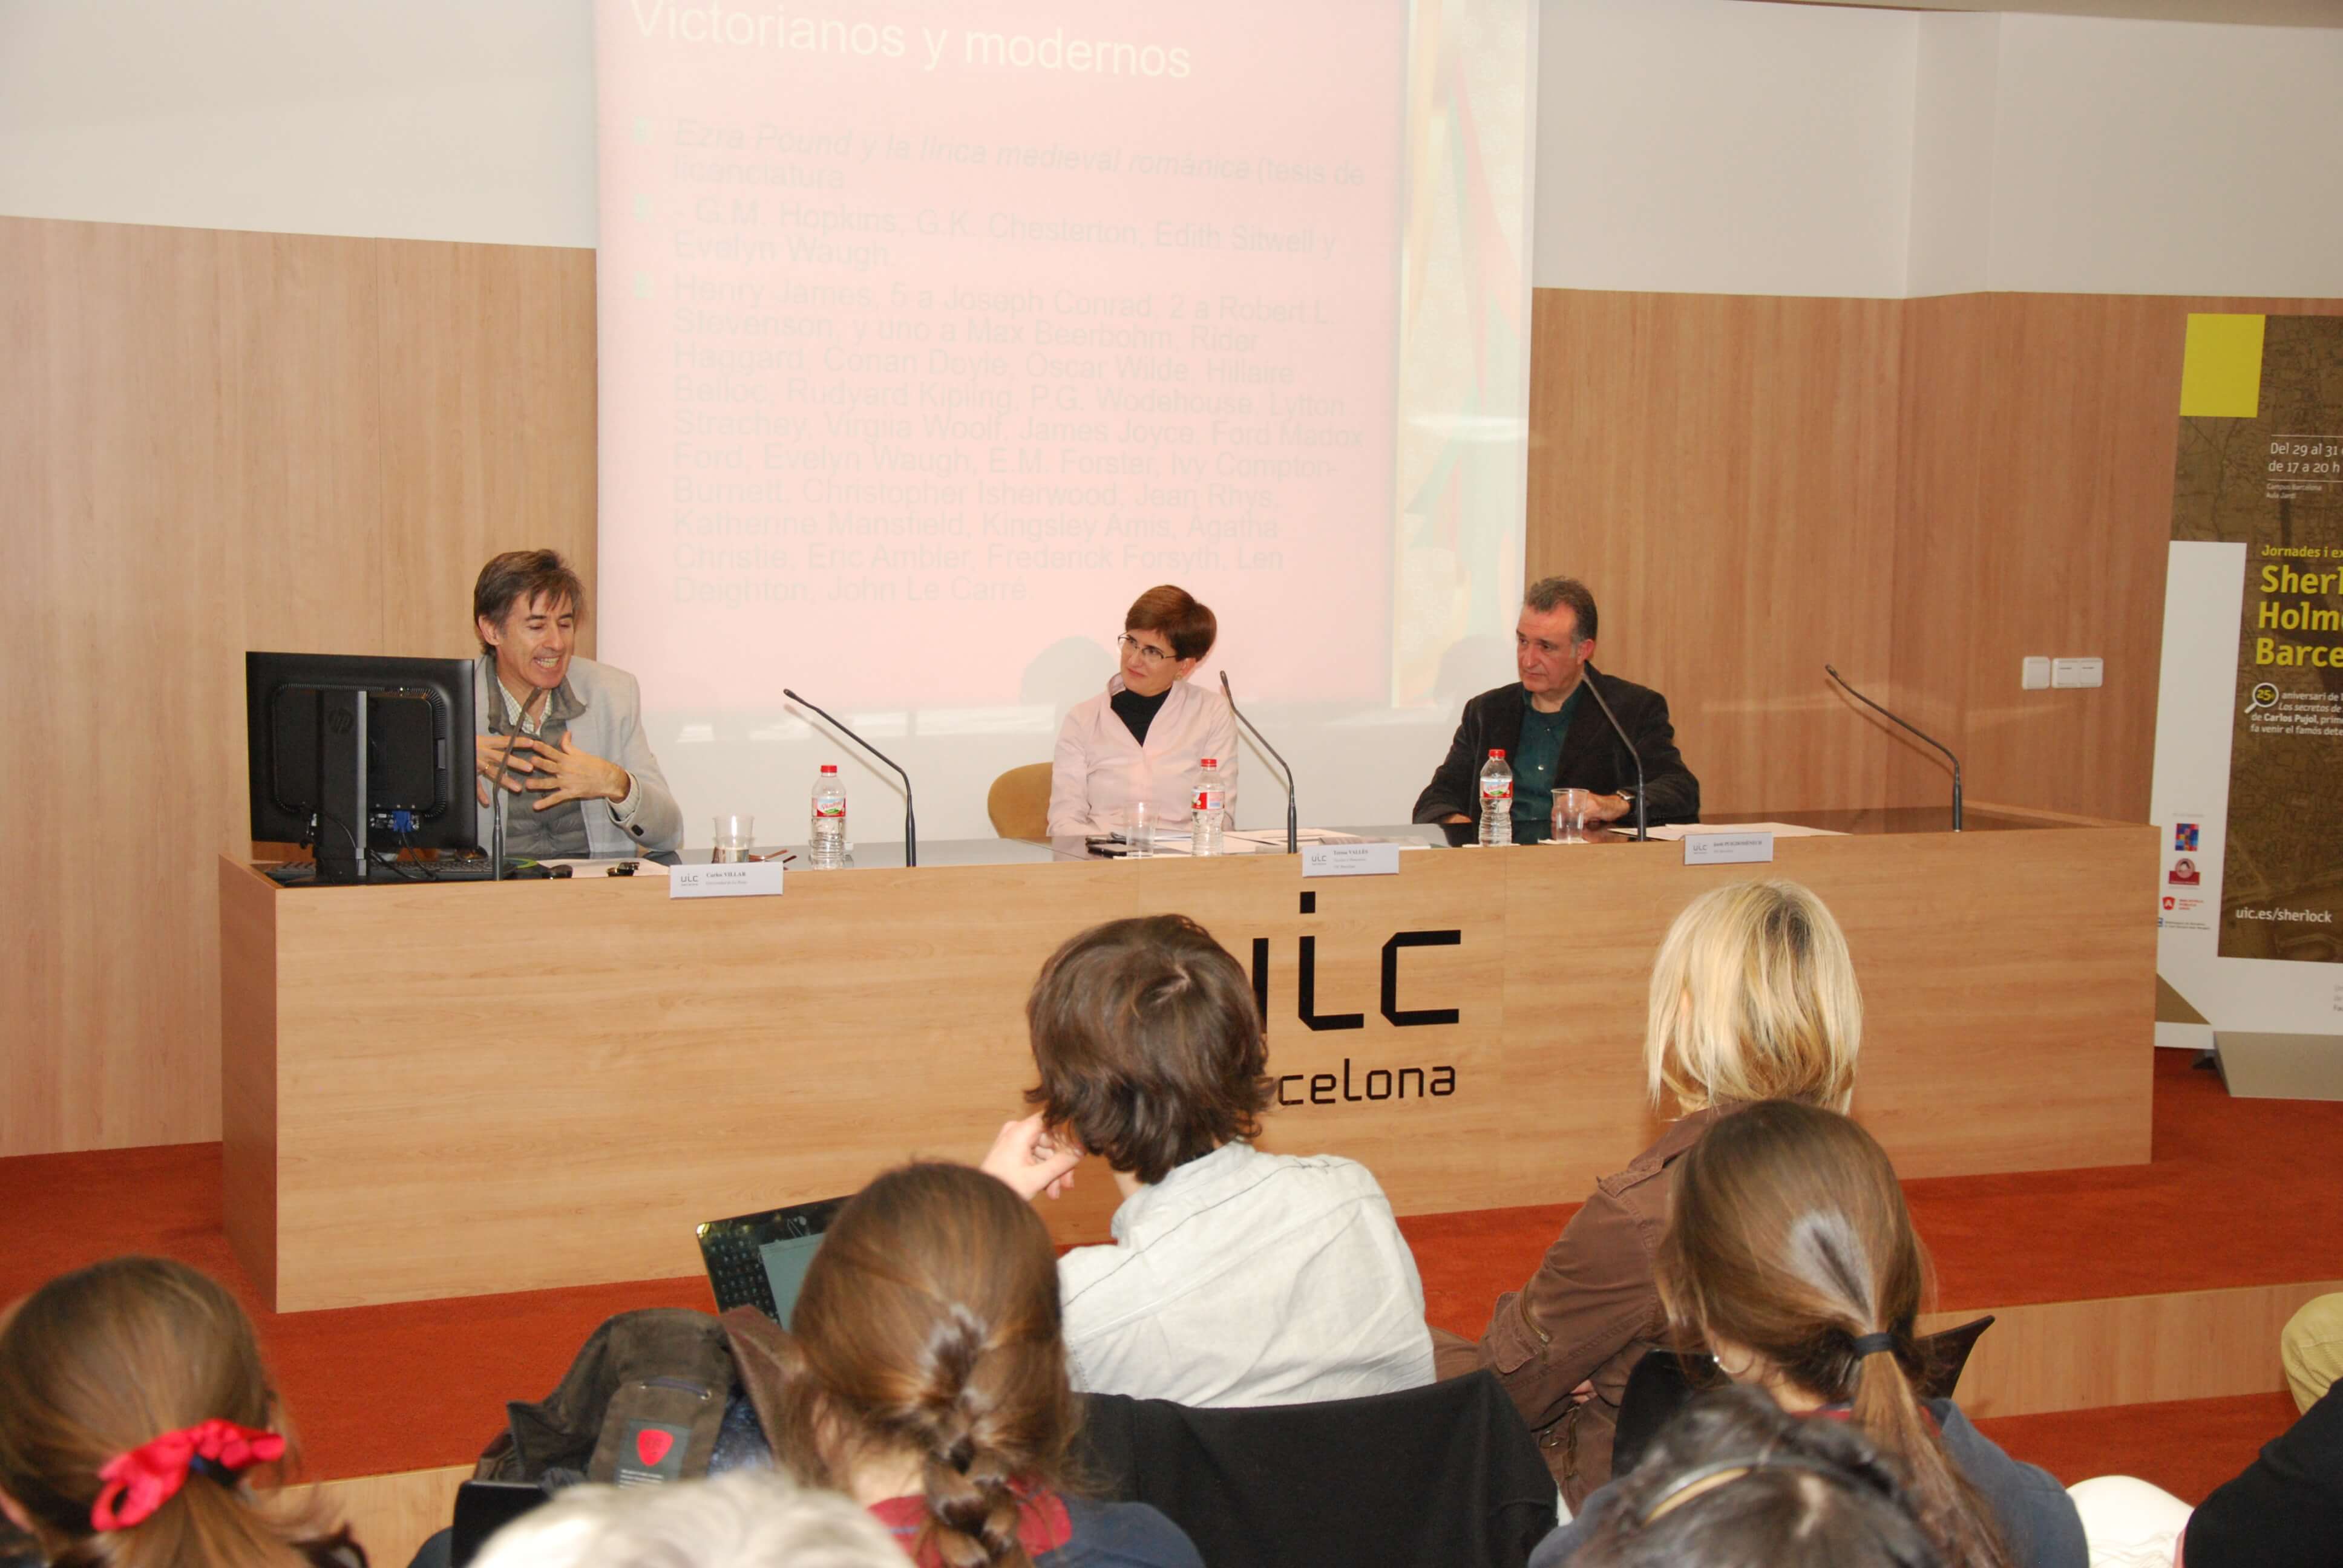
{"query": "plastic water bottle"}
pixel 1205 830
pixel 826 840
pixel 1496 800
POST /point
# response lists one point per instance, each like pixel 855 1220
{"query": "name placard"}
pixel 740 879
pixel 1726 849
pixel 1349 860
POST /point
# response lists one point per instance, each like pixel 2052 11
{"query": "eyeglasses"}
pixel 1148 656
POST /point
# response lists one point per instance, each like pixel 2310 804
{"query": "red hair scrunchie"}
pixel 149 1476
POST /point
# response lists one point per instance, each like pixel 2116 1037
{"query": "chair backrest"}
pixel 1018 803
pixel 1658 1386
pixel 1665 1381
pixel 1945 1352
pixel 1444 1475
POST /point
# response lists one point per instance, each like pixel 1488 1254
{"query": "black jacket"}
pixel 1444 1475
pixel 1592 756
pixel 2286 1510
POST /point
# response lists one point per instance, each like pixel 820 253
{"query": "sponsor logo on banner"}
pixel 2184 837
pixel 2184 873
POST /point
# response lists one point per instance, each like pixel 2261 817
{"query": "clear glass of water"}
pixel 735 832
pixel 1570 811
pixel 1140 824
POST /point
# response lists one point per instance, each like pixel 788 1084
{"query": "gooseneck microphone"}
pixel 1292 822
pixel 911 824
pixel 1642 827
pixel 497 790
pixel 1939 744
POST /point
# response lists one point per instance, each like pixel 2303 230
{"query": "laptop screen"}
pixel 786 1261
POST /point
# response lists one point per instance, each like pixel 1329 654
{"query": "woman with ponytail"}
pixel 1753 997
pixel 1790 1254
pixel 135 1413
pixel 924 1375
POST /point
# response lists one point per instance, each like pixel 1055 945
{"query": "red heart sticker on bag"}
pixel 652 1444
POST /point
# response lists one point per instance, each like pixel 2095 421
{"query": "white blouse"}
pixel 1100 769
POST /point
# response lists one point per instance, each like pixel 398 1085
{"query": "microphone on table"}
pixel 1633 755
pixel 1939 744
pixel 1292 822
pixel 910 825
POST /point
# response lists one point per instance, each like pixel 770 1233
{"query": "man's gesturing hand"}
pixel 568 774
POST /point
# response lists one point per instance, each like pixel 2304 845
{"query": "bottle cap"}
pixel 1207 762
pixel 1496 753
pixel 829 767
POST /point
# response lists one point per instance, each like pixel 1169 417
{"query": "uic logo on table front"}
pixel 1354 1084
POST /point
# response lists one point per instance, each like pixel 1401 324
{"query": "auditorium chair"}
pixel 1018 803
pixel 1442 1474
pixel 1665 1381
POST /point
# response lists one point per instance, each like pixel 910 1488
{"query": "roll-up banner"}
pixel 2249 788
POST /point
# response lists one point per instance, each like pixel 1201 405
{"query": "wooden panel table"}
pixel 449 1091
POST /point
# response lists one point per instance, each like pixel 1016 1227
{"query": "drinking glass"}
pixel 735 833
pixel 1570 809
pixel 1139 826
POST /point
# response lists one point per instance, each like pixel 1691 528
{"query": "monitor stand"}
pixel 342 795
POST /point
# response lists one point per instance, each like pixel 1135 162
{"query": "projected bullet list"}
pixel 935 401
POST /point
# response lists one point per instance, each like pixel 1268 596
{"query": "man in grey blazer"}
pixel 566 732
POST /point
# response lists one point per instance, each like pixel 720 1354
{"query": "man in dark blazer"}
pixel 1554 738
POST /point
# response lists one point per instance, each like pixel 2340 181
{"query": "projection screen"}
pixel 930 336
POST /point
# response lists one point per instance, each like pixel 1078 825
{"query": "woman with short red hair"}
pixel 1143 739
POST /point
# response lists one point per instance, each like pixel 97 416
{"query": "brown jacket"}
pixel 1589 1313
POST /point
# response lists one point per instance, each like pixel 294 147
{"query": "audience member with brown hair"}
pixel 1735 1479
pixel 925 1377
pixel 1143 737
pixel 1790 1254
pixel 1235 1276
pixel 133 1407
pixel 1753 997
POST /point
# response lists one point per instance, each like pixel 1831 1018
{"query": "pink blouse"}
pixel 1100 769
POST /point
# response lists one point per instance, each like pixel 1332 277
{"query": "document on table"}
pixel 1678 830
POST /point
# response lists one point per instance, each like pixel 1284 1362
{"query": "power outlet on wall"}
pixel 2077 671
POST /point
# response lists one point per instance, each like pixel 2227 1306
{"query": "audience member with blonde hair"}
pixel 744 1519
pixel 1790 1254
pixel 923 1374
pixel 134 1411
pixel 1753 997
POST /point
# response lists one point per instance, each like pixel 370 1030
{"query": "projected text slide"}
pixel 928 344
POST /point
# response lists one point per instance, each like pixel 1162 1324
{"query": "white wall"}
pixel 1717 147
pixel 418 119
pixel 1711 145
pixel 1958 65
pixel 2168 157
pixel 1733 147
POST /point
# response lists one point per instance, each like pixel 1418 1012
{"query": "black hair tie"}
pixel 1874 1344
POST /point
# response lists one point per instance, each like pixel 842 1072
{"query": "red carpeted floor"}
pixel 2189 1446
pixel 2240 1192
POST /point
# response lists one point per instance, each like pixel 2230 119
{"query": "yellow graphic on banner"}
pixel 2221 369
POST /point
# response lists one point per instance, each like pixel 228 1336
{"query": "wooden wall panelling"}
pixel 2035 505
pixel 489 439
pixel 115 599
pixel 211 442
pixel 1722 472
pixel 392 1515
pixel 2129 1350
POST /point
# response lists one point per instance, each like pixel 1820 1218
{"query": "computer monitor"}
pixel 337 739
